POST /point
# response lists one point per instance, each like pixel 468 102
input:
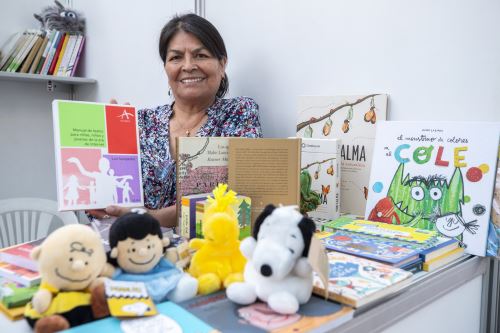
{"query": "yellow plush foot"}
pixel 208 283
pixel 231 278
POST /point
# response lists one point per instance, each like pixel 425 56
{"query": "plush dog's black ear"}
pixel 265 213
pixel 307 228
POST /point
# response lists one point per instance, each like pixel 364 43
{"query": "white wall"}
pixel 437 59
pixel 121 53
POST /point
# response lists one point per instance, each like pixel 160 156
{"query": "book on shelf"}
pixel 437 176
pixel 266 170
pixel 66 55
pixel 352 119
pixel 357 282
pixel 443 259
pixel 184 321
pixel 385 250
pixel 202 163
pixel 51 52
pixel 57 52
pixel 19 254
pixel 15 51
pixel 50 41
pixel 97 155
pixel 320 178
pixel 39 54
pixel 75 56
pixel 32 53
pixel 9 47
pixel 59 55
pixel 19 275
pixel 318 313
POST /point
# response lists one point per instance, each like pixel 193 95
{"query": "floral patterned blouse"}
pixel 238 117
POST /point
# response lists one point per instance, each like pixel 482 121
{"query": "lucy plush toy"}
pixel 69 261
pixel 218 261
pixel 277 271
pixel 137 249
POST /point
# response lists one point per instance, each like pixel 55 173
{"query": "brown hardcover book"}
pixel 266 170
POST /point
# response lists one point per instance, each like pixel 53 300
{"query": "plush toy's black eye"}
pixel 71 14
pixel 291 250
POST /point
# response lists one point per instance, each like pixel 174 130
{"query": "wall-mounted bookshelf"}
pixel 71 80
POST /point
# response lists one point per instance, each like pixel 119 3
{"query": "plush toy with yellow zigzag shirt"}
pixel 69 261
pixel 218 260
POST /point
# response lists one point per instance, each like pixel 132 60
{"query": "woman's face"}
pixel 194 74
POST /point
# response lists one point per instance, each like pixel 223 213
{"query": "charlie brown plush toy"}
pixel 69 261
pixel 137 251
pixel 218 260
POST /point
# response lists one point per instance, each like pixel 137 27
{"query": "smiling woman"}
pixel 195 58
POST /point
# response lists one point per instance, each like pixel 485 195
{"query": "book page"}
pixel 266 170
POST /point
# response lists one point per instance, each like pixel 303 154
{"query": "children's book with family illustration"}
pixel 97 155
pixel 352 119
pixel 436 176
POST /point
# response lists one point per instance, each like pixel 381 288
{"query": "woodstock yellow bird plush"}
pixel 218 260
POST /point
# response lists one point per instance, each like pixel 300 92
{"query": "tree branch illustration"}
pixel 331 112
pixel 201 151
pixel 310 165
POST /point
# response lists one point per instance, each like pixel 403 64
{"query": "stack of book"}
pixel 399 246
pixel 43 52
pixel 19 278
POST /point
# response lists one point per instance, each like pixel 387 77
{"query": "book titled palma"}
pixel 97 155
pixel 357 282
pixel 352 119
pixel 436 176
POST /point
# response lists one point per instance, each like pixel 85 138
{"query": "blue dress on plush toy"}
pixel 159 281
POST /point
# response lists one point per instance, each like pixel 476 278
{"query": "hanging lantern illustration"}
pixel 327 127
pixel 371 116
pixel 330 169
pixel 316 173
pixel 345 126
pixel 308 132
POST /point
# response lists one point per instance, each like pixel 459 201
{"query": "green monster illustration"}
pixel 309 199
pixel 419 201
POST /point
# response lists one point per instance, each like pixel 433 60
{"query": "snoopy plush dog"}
pixel 277 270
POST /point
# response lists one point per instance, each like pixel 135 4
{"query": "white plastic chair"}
pixel 27 219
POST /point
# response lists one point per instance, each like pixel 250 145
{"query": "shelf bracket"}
pixel 50 86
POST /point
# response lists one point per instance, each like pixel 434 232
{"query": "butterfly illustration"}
pixel 324 191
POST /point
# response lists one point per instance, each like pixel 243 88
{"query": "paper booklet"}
pixel 97 155
pixel 437 176
pixel 352 119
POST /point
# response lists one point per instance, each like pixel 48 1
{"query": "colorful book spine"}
pixel 73 64
pixel 188 214
pixel 60 44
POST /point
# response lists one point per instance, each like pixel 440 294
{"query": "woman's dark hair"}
pixel 135 226
pixel 201 29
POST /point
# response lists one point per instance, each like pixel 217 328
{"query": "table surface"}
pixel 384 312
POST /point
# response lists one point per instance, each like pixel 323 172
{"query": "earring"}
pixel 169 92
